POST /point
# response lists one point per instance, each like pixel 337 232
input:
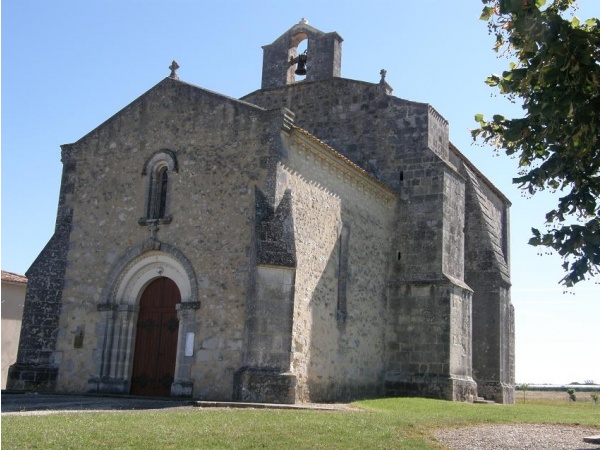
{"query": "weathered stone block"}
pixel 264 386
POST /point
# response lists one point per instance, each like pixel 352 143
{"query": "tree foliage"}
pixel 555 72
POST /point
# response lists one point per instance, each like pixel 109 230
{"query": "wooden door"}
pixel 156 339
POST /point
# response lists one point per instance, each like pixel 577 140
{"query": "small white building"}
pixel 13 297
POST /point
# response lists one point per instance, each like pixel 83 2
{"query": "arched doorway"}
pixel 156 339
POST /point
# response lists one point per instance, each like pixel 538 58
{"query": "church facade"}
pixel 316 240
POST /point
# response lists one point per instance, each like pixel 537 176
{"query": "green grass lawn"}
pixel 386 423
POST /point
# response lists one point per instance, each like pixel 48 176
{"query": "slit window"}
pixel 157 201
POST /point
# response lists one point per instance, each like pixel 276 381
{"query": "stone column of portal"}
pixel 183 384
pixel 124 342
pixel 117 354
pixel 105 338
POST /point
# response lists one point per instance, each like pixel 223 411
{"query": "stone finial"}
pixel 384 84
pixel 174 66
pixel 303 21
pixel 383 73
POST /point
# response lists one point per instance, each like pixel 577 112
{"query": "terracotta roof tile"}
pixel 10 277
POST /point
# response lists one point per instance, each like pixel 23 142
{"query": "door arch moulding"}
pixel 119 307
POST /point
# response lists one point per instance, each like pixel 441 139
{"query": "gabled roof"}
pixel 174 82
pixel 13 278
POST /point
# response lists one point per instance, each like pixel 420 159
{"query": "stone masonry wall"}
pixel 338 338
pixel 429 320
pixel 390 138
pixel 453 263
pixel 404 144
pixel 221 146
pixel 270 321
pixel 429 341
pixel 377 131
pixel 265 375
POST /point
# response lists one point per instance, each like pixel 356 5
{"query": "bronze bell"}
pixel 301 68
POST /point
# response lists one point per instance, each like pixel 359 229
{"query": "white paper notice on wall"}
pixel 189 343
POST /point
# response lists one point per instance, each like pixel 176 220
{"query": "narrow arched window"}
pixel 157 200
pixel 158 171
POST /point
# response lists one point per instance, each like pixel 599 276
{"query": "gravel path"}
pixel 517 437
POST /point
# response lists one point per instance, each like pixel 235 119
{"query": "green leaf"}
pixel 486 13
pixel 555 76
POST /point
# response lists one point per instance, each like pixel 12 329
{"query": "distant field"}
pixel 545 397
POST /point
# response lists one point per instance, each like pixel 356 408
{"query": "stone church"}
pixel 317 240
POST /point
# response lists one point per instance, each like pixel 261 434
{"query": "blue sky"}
pixel 67 66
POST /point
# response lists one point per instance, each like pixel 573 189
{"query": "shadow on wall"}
pixel 346 353
pixel 338 338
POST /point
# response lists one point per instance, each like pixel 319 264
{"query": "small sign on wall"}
pixel 189 343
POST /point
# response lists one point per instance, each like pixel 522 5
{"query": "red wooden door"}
pixel 156 339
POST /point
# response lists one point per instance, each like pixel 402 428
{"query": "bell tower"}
pixel 282 64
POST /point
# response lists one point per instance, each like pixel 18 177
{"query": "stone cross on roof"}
pixel 174 66
pixel 384 84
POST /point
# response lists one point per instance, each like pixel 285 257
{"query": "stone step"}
pixel 483 401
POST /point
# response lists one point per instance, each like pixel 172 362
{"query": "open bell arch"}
pixel 324 56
